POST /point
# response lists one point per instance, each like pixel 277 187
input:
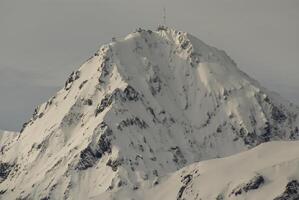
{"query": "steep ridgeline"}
pixel 7 137
pixel 140 108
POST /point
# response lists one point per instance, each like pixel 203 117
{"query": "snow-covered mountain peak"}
pixel 162 49
pixel 143 106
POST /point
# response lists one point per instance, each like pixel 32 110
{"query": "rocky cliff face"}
pixel 140 108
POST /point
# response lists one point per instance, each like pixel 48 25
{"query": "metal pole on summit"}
pixel 164 16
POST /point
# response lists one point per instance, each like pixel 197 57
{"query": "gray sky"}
pixel 42 41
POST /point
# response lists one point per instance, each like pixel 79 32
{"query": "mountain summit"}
pixel 142 107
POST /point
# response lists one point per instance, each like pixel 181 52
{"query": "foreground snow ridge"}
pixel 141 109
pixel 269 171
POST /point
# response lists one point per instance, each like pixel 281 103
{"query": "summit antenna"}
pixel 164 16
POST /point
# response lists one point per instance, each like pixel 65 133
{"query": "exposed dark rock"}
pixel 267 99
pixel 114 164
pixel 185 44
pixel 135 121
pixel 121 183
pixel 155 172
pixel 242 132
pixel 186 181
pixel 82 84
pixel 104 71
pixel 278 115
pixel 105 102
pixel 156 182
pixel 45 198
pixel 155 85
pixel 2 192
pixel 24 126
pixel 151 111
pixel 162 28
pixel 181 191
pixel 92 153
pixel 35 113
pixel 252 120
pixel 50 102
pixel 250 139
pixel 266 135
pixel 220 197
pixel 5 169
pixel 88 102
pixel 74 76
pixel 219 129
pixel 294 134
pixel 135 187
pixel 253 184
pixel 42 145
pixel 72 117
pixel 291 192
pixel 141 148
pixel 194 59
pixel 129 94
pixel 41 115
pixel 35 116
pixel 208 120
pixel 178 156
pixel 139 30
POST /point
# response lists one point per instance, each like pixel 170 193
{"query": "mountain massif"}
pixel 137 118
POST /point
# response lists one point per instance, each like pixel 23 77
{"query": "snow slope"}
pixel 142 107
pixel 267 172
pixel 7 137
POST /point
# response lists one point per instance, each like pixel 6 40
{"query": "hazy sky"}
pixel 42 41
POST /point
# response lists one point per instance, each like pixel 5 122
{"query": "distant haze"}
pixel 42 41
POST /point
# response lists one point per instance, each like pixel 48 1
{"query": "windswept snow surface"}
pixel 7 137
pixel 267 172
pixel 142 107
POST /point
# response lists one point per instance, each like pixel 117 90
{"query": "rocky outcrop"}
pixel 93 152
pixel 5 169
pixel 253 184
pixel 291 191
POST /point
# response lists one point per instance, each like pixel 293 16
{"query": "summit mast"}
pixel 164 16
